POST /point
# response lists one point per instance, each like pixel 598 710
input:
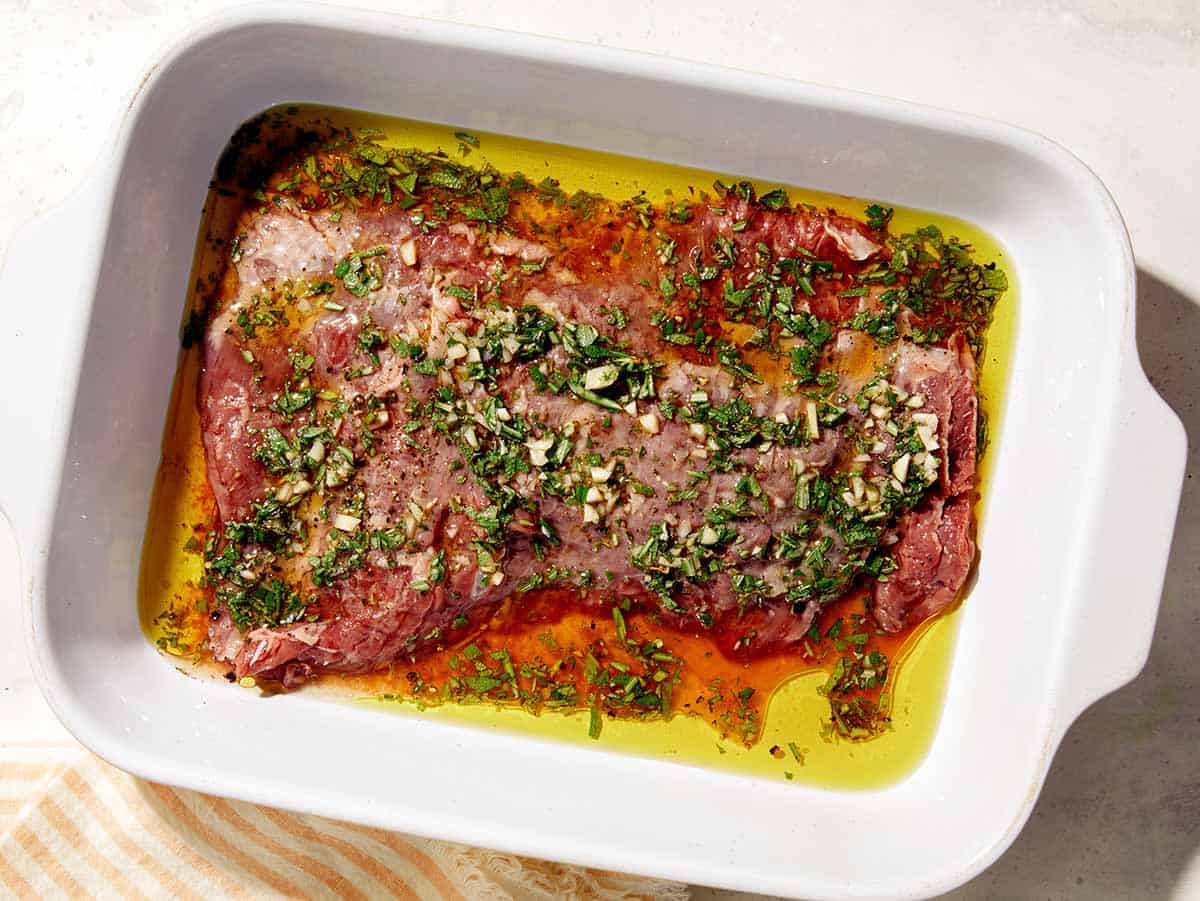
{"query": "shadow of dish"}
pixel 1119 816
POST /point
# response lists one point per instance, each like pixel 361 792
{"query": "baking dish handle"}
pixel 1137 499
pixel 47 272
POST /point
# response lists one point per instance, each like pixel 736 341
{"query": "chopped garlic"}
pixel 589 514
pixel 600 377
pixel 698 430
pixel 927 424
pixel 344 522
pixel 603 473
pixel 537 450
pixel 931 468
pixel 649 422
pixel 900 467
pixel 316 453
pixel 408 252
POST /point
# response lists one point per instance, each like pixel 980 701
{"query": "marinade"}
pixel 581 445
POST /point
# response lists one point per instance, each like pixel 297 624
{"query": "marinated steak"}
pixel 430 390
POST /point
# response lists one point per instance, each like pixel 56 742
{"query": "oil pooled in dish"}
pixel 469 435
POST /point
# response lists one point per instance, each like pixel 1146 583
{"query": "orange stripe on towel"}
pixel 275 880
pixel 92 803
pixel 336 882
pixel 363 861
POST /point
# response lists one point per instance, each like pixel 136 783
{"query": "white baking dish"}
pixel 1074 544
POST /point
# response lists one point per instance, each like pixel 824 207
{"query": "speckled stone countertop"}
pixel 1116 81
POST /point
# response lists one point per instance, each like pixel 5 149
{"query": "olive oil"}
pixel 792 745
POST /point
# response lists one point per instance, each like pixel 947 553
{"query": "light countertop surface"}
pixel 1115 81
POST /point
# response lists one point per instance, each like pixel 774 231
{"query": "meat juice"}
pixel 780 730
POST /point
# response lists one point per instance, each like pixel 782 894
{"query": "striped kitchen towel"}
pixel 71 826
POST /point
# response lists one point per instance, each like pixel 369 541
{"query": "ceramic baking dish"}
pixel 1087 469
